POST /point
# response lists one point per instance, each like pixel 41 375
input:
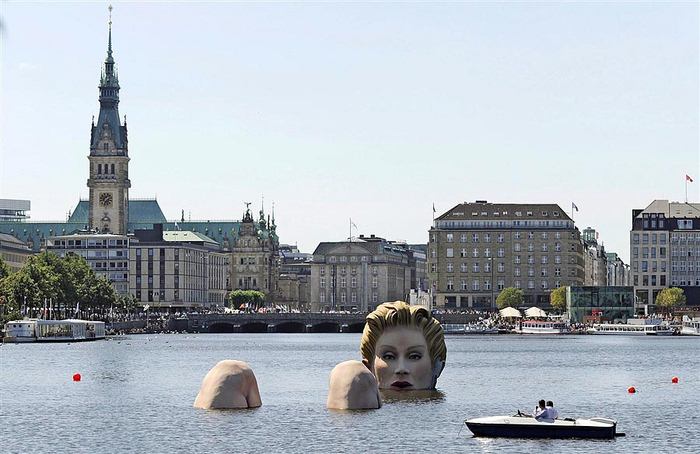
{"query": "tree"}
pixel 670 297
pixel 4 269
pixel 558 299
pixel 248 298
pixel 510 297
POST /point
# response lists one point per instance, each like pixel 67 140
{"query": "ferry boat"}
pixel 467 328
pixel 633 327
pixel 691 326
pixel 38 330
pixel 541 327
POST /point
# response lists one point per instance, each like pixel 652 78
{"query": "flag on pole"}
pixel 573 206
pixel 352 223
pixel 433 208
pixel 687 178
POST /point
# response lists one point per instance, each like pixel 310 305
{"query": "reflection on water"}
pixel 421 396
pixel 136 395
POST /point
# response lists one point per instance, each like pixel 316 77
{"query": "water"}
pixel 136 395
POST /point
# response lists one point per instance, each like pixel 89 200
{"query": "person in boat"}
pixel 541 411
pixel 553 412
pixel 402 348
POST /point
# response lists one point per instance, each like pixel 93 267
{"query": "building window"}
pixel 516 247
pixel 516 284
pixel 375 282
pixel 374 297
pixel 500 238
pixel 343 282
pixel 463 253
pixel 449 267
pixel 463 238
pixel 450 237
pixel 463 267
pixel 475 285
pixel 323 282
pixel 342 297
pixel 322 297
pixel 464 284
pixel 516 271
pixel 501 284
pixel 487 284
pixel 487 238
pixel 517 259
pixel 353 297
pixel 501 252
pixel 322 271
pixel 450 284
pixel 530 284
pixel 450 252
pixel 501 267
pixel 475 267
pixel 475 237
pixel 353 282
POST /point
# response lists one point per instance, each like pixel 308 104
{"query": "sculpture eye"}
pixel 388 356
pixel 415 356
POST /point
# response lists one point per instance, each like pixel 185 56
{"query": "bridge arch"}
pixel 354 327
pixel 325 327
pixel 222 327
pixel 290 327
pixel 254 327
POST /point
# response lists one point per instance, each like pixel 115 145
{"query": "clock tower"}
pixel 109 156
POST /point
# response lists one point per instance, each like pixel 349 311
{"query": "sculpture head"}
pixel 403 346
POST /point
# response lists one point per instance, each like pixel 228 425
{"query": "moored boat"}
pixel 38 330
pixel 528 427
pixel 691 326
pixel 633 327
pixel 541 327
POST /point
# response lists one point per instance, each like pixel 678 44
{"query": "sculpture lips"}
pixel 401 384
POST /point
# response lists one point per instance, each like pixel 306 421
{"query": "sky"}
pixel 369 111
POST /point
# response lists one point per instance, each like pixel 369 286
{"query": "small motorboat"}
pixel 522 426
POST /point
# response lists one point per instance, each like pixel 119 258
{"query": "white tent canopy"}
pixel 510 312
pixel 535 312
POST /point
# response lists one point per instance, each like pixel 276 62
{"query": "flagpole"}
pixel 350 229
pixel 686 189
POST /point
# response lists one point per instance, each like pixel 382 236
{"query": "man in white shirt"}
pixel 541 411
pixel 553 413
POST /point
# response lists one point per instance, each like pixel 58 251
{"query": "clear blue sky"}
pixel 369 111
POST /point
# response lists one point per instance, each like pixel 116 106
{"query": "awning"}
pixel 535 312
pixel 510 312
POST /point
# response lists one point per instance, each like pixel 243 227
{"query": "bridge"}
pixel 307 322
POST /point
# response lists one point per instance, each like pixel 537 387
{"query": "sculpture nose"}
pixel 401 368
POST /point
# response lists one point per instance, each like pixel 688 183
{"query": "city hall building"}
pixel 109 210
pixel 477 249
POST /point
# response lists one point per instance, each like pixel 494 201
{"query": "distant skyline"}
pixel 373 112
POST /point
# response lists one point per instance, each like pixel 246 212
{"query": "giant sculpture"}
pixel 402 347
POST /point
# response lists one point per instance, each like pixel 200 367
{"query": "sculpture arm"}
pixel 352 387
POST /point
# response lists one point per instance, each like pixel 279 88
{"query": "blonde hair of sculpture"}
pixel 399 313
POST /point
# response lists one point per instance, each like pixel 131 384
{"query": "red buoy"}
pixel 674 380
pixel 631 390
pixel 76 377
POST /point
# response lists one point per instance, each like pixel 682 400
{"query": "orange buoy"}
pixel 76 377
pixel 674 380
pixel 631 390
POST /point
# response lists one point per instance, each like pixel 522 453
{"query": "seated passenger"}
pixel 553 412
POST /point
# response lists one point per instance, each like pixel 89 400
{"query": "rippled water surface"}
pixel 136 395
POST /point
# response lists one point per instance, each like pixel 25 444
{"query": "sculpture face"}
pixel 402 360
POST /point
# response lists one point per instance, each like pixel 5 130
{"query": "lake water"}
pixel 136 395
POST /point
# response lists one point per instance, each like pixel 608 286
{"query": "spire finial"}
pixel 109 45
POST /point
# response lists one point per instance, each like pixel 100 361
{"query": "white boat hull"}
pixel 528 427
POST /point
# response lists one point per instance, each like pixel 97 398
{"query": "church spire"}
pixel 109 43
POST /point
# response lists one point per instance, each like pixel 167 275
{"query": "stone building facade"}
pixel 477 249
pixel 618 271
pixel 294 290
pixel 595 261
pixel 255 257
pixel 359 275
pixel 107 254
pixel 665 249
pixel 177 269
pixel 13 252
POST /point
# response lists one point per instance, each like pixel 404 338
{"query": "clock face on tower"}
pixel 106 199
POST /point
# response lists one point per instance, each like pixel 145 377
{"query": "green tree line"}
pixel 64 281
